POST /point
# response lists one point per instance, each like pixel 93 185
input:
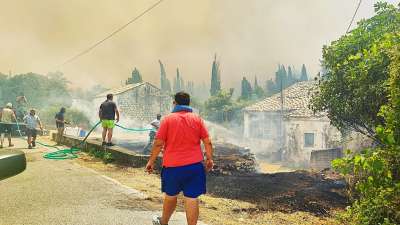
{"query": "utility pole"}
pixel 281 139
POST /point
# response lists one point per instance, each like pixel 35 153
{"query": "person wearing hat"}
pixel 7 117
pixel 32 120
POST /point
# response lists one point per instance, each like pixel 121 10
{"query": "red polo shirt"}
pixel 182 132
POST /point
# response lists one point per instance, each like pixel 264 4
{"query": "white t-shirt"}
pixel 155 123
pixel 31 121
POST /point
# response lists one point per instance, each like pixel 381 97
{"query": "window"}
pixel 309 139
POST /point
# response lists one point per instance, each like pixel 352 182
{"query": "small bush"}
pixel 105 156
pixel 108 158
pixel 375 172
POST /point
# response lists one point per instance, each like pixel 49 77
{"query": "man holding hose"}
pixel 180 134
pixel 109 115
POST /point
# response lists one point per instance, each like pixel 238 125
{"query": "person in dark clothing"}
pixel 109 115
pixel 60 124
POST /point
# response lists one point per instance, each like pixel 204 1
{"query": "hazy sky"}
pixel 249 36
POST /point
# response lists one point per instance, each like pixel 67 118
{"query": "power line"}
pixel 110 35
pixel 354 16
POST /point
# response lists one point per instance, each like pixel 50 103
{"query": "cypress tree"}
pixel 179 84
pixel 164 82
pixel 215 77
pixel 303 76
pixel 136 77
pixel 291 79
pixel 257 90
pixel 246 89
pixel 284 76
pixel 270 87
pixel 255 83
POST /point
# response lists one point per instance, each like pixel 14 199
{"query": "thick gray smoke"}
pixel 251 37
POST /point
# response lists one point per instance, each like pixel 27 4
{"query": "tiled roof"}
pixel 296 99
pixel 120 90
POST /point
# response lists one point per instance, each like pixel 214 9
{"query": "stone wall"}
pixel 120 155
pixel 141 104
pixel 322 159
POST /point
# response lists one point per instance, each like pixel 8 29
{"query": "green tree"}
pixel 270 88
pixel 215 77
pixel 352 90
pixel 217 106
pixel 246 89
pixel 39 90
pixel 136 77
pixel 258 91
pixel 179 84
pixel 282 77
pixel 291 79
pixel 376 172
pixel 303 75
pixel 165 84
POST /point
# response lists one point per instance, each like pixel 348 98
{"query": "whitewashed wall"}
pixel 290 140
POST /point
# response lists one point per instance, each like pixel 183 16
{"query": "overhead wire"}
pixel 110 35
pixel 354 16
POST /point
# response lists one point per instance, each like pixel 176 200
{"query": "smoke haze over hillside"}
pixel 250 36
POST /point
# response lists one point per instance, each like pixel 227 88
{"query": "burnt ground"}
pixel 234 177
pixel 284 192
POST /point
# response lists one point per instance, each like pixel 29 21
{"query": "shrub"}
pixel 375 172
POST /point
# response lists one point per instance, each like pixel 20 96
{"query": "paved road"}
pixel 63 192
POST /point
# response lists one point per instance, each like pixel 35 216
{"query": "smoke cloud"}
pixel 250 37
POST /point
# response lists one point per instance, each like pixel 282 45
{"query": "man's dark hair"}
pixel 110 96
pixel 62 110
pixel 182 98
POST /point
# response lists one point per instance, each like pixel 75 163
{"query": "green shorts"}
pixel 107 123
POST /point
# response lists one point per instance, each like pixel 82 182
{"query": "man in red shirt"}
pixel 180 134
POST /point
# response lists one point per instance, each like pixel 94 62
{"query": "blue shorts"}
pixel 190 179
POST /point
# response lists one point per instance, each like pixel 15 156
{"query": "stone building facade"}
pixel 139 103
pixel 288 127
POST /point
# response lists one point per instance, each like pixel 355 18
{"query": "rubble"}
pixel 232 159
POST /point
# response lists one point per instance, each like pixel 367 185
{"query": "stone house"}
pixel 139 103
pixel 289 129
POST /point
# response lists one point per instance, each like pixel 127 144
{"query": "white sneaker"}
pixel 157 220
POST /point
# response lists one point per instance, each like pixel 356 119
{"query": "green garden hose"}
pixel 134 129
pixel 68 153
pixel 71 153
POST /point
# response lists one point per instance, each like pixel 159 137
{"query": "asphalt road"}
pixel 63 192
